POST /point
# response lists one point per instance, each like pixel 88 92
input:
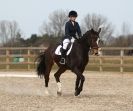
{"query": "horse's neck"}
pixel 84 44
pixel 83 48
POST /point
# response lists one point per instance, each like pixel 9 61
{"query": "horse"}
pixel 76 61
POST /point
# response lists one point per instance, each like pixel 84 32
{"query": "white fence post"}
pixel 7 59
pixel 121 61
pixel 101 67
pixel 28 59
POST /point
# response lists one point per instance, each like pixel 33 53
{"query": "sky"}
pixel 30 14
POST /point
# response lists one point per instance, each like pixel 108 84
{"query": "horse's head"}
pixel 93 39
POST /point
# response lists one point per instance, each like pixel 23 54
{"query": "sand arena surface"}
pixel 102 92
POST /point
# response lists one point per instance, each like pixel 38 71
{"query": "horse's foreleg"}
pixel 79 81
pixel 79 84
pixel 57 78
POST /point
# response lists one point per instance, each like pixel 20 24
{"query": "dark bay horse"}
pixel 76 60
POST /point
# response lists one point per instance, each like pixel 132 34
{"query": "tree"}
pixel 4 32
pixel 9 31
pixel 56 24
pixel 125 29
pixel 95 21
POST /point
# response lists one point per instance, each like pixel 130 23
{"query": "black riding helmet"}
pixel 72 14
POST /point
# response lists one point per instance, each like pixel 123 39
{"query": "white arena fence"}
pixel 118 59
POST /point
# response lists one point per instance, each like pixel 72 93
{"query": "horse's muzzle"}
pixel 95 51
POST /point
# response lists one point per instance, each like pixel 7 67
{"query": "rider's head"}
pixel 73 15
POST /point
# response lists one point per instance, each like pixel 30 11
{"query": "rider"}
pixel 72 29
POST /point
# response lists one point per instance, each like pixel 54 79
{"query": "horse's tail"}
pixel 41 65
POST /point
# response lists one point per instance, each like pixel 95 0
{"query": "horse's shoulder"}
pixel 77 47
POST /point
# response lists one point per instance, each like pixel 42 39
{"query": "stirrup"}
pixel 62 61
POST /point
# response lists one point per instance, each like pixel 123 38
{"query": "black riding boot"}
pixel 63 56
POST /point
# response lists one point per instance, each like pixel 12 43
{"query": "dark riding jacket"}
pixel 71 30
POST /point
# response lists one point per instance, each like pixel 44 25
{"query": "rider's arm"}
pixel 67 32
pixel 79 30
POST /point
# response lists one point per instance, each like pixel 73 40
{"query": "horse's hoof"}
pixel 77 93
pixel 47 92
pixel 59 93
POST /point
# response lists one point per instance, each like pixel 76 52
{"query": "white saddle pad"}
pixel 57 51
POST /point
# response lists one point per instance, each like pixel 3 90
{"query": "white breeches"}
pixel 65 43
pixel 59 86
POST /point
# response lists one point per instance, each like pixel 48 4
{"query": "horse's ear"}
pixel 92 30
pixel 99 30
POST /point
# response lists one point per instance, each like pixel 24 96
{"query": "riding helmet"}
pixel 72 14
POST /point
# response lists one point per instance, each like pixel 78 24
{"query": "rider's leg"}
pixel 63 51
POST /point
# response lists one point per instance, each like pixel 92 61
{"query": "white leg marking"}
pixel 46 91
pixel 59 87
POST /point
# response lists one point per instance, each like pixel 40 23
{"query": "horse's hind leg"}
pixel 47 74
pixel 57 78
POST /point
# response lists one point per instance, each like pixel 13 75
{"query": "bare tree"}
pixel 46 29
pixel 125 29
pixel 4 33
pixel 56 23
pixel 9 31
pixel 95 21
pixel 13 31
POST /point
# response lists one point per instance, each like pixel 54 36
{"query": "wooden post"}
pixel 121 62
pixel 28 59
pixel 101 54
pixel 7 59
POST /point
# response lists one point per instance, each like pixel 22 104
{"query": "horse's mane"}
pixel 86 33
pixel 85 37
pixel 84 42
